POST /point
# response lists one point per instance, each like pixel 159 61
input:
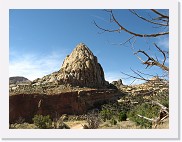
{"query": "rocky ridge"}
pixel 19 80
pixel 153 88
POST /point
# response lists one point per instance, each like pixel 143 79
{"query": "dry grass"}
pixel 120 125
pixel 164 125
pixel 104 125
pixel 23 126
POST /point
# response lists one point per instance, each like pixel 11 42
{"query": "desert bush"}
pixel 58 122
pixel 106 114
pixel 113 121
pixel 163 98
pixel 145 109
pixel 116 110
pixel 122 116
pixel 93 119
pixel 42 122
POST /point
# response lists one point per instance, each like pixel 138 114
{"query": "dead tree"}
pixel 158 19
pixel 163 114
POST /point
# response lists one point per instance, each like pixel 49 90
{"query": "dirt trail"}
pixel 77 126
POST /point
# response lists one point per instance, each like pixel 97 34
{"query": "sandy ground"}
pixel 76 124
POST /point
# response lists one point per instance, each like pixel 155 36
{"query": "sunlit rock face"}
pixel 81 68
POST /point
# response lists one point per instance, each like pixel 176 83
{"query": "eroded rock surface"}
pixel 81 68
pixel 75 102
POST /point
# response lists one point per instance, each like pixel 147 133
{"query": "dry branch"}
pixel 145 118
pixel 151 61
pixel 163 114
pixel 122 28
pixel 147 20
pixel 163 53
pixel 160 14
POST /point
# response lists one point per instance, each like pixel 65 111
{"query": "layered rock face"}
pixel 81 68
pixel 75 102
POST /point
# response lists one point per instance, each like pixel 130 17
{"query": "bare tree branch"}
pixel 162 20
pixel 147 20
pixel 150 74
pixel 162 15
pixel 130 76
pixel 133 33
pixel 161 52
pixel 122 28
pixel 163 114
pixel 106 30
pixel 151 61
pixel 162 106
pixel 150 119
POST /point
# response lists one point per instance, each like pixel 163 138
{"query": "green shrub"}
pixel 122 116
pixel 146 110
pixel 42 122
pixel 113 121
pixel 106 114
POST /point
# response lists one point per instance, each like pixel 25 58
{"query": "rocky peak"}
pixel 81 68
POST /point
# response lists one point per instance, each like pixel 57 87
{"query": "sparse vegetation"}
pixel 146 110
pixel 42 122
pixel 93 120
pixel 113 121
pixel 129 112
pixel 122 116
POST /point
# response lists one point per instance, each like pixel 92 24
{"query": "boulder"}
pixel 118 83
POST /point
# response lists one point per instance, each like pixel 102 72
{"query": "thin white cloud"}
pixel 34 66
pixel 163 42
pixel 100 18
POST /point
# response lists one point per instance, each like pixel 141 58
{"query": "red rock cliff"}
pixel 78 102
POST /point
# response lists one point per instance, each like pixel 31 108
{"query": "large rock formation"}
pixel 81 68
pixel 78 86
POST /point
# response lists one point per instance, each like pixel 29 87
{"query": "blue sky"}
pixel 41 39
